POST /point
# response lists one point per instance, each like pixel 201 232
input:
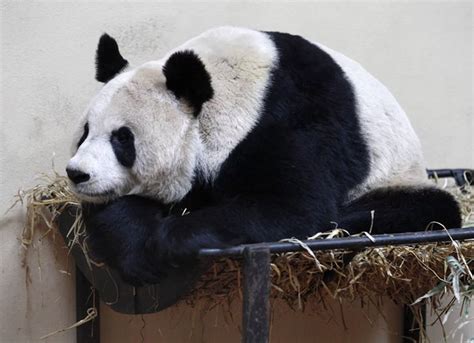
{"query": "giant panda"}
pixel 242 136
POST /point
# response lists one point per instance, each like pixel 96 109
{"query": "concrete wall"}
pixel 422 51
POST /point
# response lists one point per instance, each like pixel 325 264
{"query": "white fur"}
pixel 394 148
pixel 171 144
pixel 95 156
pixel 164 131
pixel 239 62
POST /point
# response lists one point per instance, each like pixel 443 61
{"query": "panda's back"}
pixel 394 148
pixel 260 78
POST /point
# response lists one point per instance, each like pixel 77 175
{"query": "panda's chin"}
pixel 97 198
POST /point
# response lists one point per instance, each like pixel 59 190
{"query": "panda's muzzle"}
pixel 77 176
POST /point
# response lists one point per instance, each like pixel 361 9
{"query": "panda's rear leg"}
pixel 397 210
pixel 400 209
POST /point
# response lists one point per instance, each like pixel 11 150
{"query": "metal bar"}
pixel 90 331
pixel 256 303
pixel 461 176
pixel 445 172
pixel 350 242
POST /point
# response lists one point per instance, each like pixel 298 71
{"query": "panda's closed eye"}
pixel 123 135
pixel 84 135
pixel 123 144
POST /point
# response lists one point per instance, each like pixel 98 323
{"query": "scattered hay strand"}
pixel 91 314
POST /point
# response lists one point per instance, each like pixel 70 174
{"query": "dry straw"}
pixel 437 273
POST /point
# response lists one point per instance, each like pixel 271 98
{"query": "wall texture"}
pixel 422 51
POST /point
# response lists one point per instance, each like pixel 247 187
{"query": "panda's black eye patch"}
pixel 123 144
pixel 84 135
pixel 124 135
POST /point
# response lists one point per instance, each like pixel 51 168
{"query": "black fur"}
pixel 401 209
pixel 289 177
pixel 123 144
pixel 117 233
pixel 84 135
pixel 187 77
pixel 108 60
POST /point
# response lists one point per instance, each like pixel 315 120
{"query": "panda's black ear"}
pixel 187 77
pixel 108 60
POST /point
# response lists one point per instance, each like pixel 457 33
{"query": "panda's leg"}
pixel 131 235
pixel 246 219
pixel 400 209
pixel 397 210
pixel 117 232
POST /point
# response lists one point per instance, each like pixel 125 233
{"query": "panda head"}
pixel 140 133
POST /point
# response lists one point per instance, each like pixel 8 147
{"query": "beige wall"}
pixel 421 51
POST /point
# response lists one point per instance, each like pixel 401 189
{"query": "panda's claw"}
pixel 134 272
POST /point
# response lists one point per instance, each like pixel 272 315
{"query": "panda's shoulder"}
pixel 229 41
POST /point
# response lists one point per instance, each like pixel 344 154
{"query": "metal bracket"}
pixel 256 303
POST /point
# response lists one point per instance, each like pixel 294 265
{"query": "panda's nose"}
pixel 77 176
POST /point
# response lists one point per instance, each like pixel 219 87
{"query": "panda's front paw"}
pixel 117 233
pixel 134 270
pixel 178 240
pixel 168 249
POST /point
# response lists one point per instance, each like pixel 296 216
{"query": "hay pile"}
pixel 405 274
